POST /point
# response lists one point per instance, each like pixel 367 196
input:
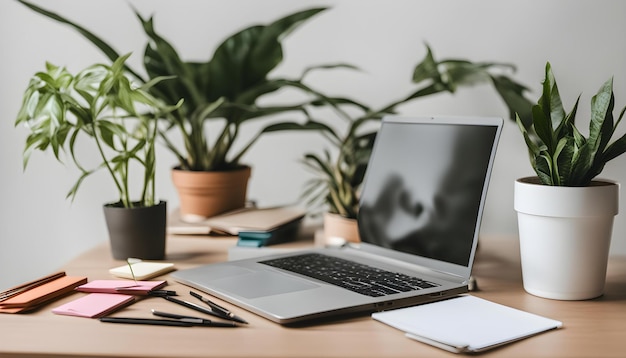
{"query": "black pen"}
pixel 215 307
pixel 155 322
pixel 194 306
pixel 156 293
pixel 193 320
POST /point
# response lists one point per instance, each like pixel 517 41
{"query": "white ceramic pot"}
pixel 565 234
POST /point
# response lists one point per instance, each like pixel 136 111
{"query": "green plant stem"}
pixel 106 162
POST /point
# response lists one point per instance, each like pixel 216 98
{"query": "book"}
pixel 231 223
pixel 465 324
pixel 94 305
pixel 14 291
pixel 36 293
pixel 118 286
pixel 257 238
pixel 143 270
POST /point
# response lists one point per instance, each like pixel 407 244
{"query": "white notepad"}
pixel 143 270
pixel 466 323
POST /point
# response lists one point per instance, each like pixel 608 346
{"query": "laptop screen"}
pixel 424 185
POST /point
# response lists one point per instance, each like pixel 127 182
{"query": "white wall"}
pixel 40 230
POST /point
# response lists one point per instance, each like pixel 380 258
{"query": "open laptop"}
pixel 419 218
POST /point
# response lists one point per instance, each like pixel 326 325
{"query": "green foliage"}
pixel 102 104
pixel 338 180
pixel 223 90
pixel 559 153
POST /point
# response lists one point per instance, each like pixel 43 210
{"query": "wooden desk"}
pixel 595 328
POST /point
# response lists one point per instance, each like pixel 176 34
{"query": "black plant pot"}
pixel 137 232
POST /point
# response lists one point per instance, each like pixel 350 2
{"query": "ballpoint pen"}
pixel 156 293
pixel 193 320
pixel 219 309
pixel 154 322
pixel 196 307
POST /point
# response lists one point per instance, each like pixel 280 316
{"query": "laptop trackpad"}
pixel 260 284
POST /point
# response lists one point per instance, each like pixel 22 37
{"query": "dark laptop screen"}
pixel 423 188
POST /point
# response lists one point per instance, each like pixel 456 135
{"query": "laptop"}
pixel 420 211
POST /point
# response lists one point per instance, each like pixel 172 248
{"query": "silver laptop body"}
pixel 420 212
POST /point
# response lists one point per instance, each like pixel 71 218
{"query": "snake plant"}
pixel 559 153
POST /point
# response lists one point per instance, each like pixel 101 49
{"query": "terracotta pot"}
pixel 206 194
pixel 337 227
pixel 565 234
pixel 136 232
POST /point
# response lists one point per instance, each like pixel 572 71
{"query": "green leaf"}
pixel 512 93
pixel 307 126
pixel 601 124
pixel 162 60
pixel 618 147
pixel 550 101
pixel 245 58
pixel 427 69
pixel 542 126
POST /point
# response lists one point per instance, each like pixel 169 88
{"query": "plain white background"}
pixel 584 41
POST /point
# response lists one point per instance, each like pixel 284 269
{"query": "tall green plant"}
pixel 558 152
pixel 339 178
pixel 102 104
pixel 223 90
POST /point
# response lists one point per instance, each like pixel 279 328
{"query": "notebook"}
pixel 466 324
pixel 420 211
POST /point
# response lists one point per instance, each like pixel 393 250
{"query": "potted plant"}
pixel 102 105
pixel 220 94
pixel 339 175
pixel 565 216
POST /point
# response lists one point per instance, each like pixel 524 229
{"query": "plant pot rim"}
pixel 338 216
pixel 118 205
pixel 533 198
pixel 237 168
pixel 534 180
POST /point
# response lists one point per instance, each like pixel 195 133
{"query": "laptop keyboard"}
pixel 360 278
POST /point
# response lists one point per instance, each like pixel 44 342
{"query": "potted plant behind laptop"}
pixel 339 174
pixel 221 95
pixel 118 118
pixel 565 214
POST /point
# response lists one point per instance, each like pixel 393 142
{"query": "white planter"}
pixel 565 234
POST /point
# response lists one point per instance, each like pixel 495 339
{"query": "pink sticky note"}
pixel 94 305
pixel 115 286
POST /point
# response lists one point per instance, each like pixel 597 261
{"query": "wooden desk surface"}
pixel 594 328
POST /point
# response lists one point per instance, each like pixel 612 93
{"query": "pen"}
pixel 160 293
pixel 156 293
pixel 223 311
pixel 193 306
pixel 193 320
pixel 156 322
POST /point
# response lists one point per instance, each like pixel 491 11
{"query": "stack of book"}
pixel 34 294
pixel 255 227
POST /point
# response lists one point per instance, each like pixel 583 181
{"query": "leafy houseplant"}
pixel 223 91
pixel 565 215
pixel 338 179
pixel 101 104
pixel 559 153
